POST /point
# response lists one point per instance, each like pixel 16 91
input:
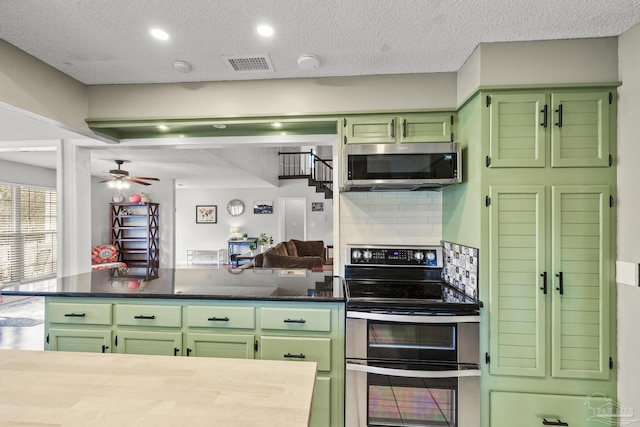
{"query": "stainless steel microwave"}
pixel 401 167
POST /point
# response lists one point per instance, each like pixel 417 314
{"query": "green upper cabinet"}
pixel 580 131
pixel 516 130
pixel 549 282
pixel 574 125
pixel 398 129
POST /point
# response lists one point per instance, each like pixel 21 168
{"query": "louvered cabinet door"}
pixel 581 268
pixel 518 126
pixel 517 294
pixel 580 129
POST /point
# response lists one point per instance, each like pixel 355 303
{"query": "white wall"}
pixel 19 173
pixel 190 235
pixel 628 224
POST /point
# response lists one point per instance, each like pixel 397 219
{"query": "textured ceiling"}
pixel 107 42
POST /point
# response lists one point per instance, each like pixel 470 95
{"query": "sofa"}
pixel 293 254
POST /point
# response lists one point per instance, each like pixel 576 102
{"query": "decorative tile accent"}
pixel 460 267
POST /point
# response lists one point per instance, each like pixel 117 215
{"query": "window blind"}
pixel 28 233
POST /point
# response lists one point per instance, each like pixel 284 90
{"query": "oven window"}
pixel 412 341
pixel 395 401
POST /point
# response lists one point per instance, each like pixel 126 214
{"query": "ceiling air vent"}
pixel 250 63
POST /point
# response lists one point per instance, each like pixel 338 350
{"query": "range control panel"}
pixel 430 256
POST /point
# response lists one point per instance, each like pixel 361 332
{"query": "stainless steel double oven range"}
pixel 412 341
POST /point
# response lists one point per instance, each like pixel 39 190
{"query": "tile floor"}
pixel 21 337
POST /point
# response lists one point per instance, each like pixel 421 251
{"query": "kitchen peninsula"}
pixel 288 315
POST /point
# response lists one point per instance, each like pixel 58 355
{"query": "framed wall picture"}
pixel 263 207
pixel 317 206
pixel 206 214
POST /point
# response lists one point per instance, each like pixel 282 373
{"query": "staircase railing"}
pixel 307 164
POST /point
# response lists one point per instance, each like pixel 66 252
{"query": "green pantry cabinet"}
pixel 272 330
pixel 541 175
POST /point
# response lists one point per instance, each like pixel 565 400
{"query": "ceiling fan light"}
pixel 111 184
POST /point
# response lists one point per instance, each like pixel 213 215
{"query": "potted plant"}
pixel 264 241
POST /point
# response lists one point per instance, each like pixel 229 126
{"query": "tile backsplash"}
pixel 460 267
pixel 394 217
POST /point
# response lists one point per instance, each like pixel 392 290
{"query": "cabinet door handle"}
pixel 144 317
pixel 294 356
pixel 105 348
pixel 218 319
pixel 544 282
pixel 189 352
pixel 404 128
pixel 553 423
pixel 545 115
pixel 75 315
pixel 393 128
pixel 559 111
pixel 176 350
pixel 560 283
pixel 295 321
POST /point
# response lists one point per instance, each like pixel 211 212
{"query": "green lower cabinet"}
pixel 82 340
pixel 535 410
pixel 149 342
pixel 220 345
pixel 297 348
pixel 321 407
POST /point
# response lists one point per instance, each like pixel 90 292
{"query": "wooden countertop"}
pixel 85 389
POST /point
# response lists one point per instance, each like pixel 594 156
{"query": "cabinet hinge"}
pixel 610 201
pixel 487 201
pixel 47 339
pixel 451 136
pixel 452 119
pixel 344 122
pixel 610 363
pixel 255 346
pixel 487 161
pixel 610 98
pixel 487 358
pixel 610 160
pixel 345 140
pixel 116 341
pixel 488 100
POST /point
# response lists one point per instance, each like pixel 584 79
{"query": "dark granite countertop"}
pixel 193 283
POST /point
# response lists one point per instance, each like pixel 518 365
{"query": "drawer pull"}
pixel 553 423
pixel 295 321
pixel 218 319
pixel 75 315
pixel 294 356
pixel 144 317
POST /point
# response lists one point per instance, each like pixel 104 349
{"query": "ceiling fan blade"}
pixel 107 180
pixel 132 179
pixel 145 177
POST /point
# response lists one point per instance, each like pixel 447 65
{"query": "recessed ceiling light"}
pixel 163 128
pixel 265 30
pixel 219 126
pixel 276 125
pixel 159 34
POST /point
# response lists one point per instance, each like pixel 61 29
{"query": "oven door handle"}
pixel 350 366
pixel 407 318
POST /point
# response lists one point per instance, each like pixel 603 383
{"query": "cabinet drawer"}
pixel 290 319
pixel 148 315
pixel 201 316
pixel 79 314
pixel 296 348
pixel 531 410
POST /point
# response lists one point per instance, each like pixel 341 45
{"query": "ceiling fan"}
pixel 120 178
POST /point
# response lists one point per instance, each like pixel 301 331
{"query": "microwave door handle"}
pixel 390 372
